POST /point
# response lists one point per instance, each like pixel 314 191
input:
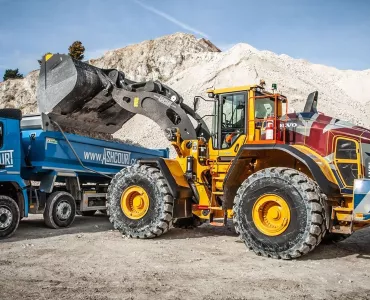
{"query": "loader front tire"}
pixel 279 213
pixel 139 202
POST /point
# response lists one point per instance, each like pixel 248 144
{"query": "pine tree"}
pixel 12 74
pixel 76 50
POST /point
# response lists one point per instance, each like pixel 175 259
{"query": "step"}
pixel 217 224
pixel 217 193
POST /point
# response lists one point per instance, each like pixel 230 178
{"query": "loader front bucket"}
pixel 76 95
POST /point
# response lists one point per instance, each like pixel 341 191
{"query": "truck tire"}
pixel 60 210
pixel 9 216
pixel 279 213
pixel 139 202
pixel 88 213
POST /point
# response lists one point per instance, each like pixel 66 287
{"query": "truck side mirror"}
pixel 196 103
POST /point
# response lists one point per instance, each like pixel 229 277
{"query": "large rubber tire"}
pixel 60 210
pixel 9 216
pixel 88 213
pixel 158 217
pixel 307 224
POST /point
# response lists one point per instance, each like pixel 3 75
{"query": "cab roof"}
pixel 244 88
pixel 233 89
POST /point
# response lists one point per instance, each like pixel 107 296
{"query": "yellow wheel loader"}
pixel 286 179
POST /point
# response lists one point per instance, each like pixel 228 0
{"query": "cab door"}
pixel 229 126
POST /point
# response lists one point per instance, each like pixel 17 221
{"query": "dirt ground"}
pixel 90 261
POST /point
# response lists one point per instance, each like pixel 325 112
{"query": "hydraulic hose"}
pixel 75 153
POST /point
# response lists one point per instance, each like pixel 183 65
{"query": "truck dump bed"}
pixel 48 150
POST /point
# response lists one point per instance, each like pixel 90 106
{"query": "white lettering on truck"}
pixel 111 157
pixel 6 158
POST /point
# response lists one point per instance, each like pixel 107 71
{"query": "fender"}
pixel 173 175
pixel 179 187
pixel 249 152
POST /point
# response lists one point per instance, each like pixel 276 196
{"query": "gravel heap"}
pixel 191 65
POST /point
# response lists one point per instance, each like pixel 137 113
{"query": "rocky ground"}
pixel 90 261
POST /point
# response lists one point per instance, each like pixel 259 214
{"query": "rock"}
pixel 190 66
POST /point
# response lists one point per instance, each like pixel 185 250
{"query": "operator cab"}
pixel 247 111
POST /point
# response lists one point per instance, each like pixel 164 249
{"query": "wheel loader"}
pixel 287 180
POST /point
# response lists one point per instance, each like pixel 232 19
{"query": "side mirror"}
pixel 196 103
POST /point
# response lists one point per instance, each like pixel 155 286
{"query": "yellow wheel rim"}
pixel 271 214
pixel 134 202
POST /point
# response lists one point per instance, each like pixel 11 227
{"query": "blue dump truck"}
pixel 45 170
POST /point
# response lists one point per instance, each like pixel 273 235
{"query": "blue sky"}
pixel 331 32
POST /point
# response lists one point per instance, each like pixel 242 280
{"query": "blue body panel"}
pixel 48 150
pixel 33 154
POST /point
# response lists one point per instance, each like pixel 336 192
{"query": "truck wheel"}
pixel 60 210
pixel 139 202
pixel 279 213
pixel 88 213
pixel 9 216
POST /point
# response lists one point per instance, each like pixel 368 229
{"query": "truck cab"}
pixel 44 170
pixel 13 189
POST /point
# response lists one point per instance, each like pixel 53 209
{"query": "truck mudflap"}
pixel 361 195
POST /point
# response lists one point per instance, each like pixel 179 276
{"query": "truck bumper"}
pixel 361 196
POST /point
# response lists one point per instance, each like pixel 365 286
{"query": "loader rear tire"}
pixel 156 198
pixel 299 201
pixel 60 210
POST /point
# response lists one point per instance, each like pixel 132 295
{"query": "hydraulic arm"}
pixel 78 95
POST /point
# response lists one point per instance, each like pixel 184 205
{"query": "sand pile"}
pixel 190 66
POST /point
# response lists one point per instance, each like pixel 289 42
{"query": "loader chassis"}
pixel 284 178
pixel 246 176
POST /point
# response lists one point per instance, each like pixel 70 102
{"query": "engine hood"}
pixel 319 132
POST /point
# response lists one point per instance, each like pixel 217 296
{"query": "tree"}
pixel 40 60
pixel 12 74
pixel 76 50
